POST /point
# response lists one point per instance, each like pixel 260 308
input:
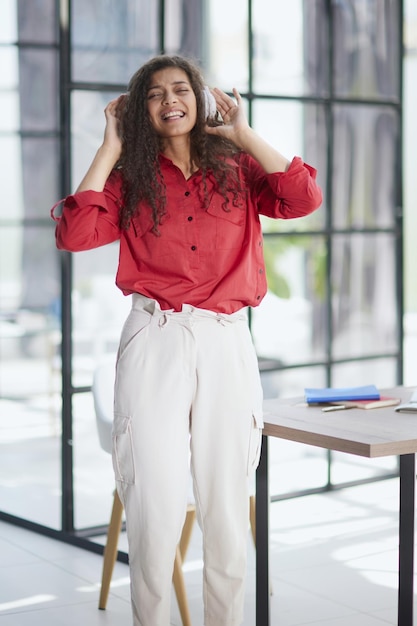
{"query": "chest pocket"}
pixel 227 227
pixel 148 245
pixel 142 223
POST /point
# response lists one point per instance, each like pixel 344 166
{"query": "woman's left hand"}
pixel 233 115
pixel 235 127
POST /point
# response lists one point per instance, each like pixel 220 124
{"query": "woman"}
pixel 182 190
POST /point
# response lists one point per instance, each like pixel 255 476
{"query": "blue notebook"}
pixel 337 394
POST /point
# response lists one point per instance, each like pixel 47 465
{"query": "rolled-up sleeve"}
pixel 289 194
pixel 89 219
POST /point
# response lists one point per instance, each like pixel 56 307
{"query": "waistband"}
pixel 188 311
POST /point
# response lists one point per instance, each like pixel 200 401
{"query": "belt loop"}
pixel 163 320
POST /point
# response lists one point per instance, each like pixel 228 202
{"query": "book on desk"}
pixel 337 398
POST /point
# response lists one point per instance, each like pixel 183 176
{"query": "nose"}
pixel 169 97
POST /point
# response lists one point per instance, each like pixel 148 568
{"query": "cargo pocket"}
pixel 122 453
pixel 255 442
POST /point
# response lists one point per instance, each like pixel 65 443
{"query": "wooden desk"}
pixel 368 433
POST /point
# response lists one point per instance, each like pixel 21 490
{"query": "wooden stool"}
pixel 110 555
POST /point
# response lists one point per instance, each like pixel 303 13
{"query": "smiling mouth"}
pixel 173 115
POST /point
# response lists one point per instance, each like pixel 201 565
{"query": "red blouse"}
pixel 209 258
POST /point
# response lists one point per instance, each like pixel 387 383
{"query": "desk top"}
pixel 364 432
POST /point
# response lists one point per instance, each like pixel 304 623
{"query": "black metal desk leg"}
pixel 262 539
pixel 406 544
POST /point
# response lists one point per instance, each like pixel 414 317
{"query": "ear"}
pixel 210 107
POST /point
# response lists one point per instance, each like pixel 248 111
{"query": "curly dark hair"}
pixel 139 162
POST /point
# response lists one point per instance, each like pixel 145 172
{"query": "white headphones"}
pixel 210 106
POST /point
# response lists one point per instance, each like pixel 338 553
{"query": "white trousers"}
pixel 187 392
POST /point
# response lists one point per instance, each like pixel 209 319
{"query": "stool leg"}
pixel 110 554
pixel 178 576
pixel 186 531
pixel 252 517
pixel 180 592
pixel 110 551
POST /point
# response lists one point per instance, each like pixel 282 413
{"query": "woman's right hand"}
pixel 113 111
pixel 110 150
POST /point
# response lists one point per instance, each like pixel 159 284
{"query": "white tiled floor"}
pixel 333 562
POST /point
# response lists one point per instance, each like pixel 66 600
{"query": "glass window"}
pixel 348 467
pixel 281 123
pixel 290 323
pixel 9 106
pixel 294 129
pixel 364 166
pixel 294 63
pixel 295 467
pixel 30 453
pixel 11 175
pixel 381 372
pixel 99 310
pixel 290 47
pixel 184 28
pixel 40 159
pixel 227 47
pixel 9 68
pixel 8 23
pixel 30 390
pixel 291 382
pixel 40 270
pixel 29 280
pixel 37 21
pixel 28 177
pixel 10 267
pixel 366 38
pixel 30 284
pixel 88 123
pixel 364 297
pixel 93 470
pixel 111 40
pixel 38 90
